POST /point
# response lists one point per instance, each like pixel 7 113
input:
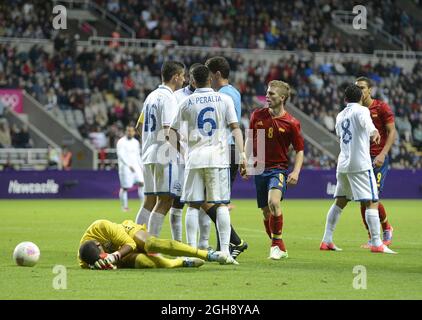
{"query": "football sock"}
pixel 363 214
pixel 234 237
pixel 373 221
pixel 173 248
pixel 155 223
pixel 141 193
pixel 123 197
pixel 383 217
pixel 223 226
pixel 212 213
pixel 267 227
pixel 333 216
pixel 145 261
pixel 276 226
pixel 191 225
pixel 204 222
pixel 176 224
pixel 143 216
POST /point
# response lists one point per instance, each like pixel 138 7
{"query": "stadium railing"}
pixel 271 56
pixel 25 44
pixel 61 134
pixel 398 55
pixel 39 138
pixel 31 158
pixel 404 59
pixel 127 43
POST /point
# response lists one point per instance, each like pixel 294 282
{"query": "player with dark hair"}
pixel 208 115
pixel 202 221
pixel 281 131
pixel 220 68
pixel 220 71
pixel 130 166
pixel 161 177
pixel 383 119
pixel 107 245
pixel 170 69
pixel 355 176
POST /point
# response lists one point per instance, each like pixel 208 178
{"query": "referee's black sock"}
pixel 234 237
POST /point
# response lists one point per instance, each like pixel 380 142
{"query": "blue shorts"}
pixel 269 179
pixel 381 173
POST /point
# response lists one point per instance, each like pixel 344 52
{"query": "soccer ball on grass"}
pixel 26 254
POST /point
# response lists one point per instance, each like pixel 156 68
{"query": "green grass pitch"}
pixel 56 227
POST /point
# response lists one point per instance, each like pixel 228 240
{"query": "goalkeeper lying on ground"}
pixel 108 245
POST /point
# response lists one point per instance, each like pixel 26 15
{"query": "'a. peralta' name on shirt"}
pixel 208 99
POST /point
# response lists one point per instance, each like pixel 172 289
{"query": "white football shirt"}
pixel 354 126
pixel 207 114
pixel 160 108
pixel 181 95
pixel 128 152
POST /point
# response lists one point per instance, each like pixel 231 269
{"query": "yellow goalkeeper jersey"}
pixel 112 236
pixel 140 121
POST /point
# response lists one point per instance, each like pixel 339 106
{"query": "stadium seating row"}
pixel 294 25
pixel 291 25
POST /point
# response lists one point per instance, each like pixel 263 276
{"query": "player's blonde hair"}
pixel 282 87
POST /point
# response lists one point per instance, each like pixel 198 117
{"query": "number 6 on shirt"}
pixel 202 122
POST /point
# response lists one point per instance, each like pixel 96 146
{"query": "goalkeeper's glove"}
pixel 107 261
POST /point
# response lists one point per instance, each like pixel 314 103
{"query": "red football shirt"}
pixel 381 115
pixel 280 133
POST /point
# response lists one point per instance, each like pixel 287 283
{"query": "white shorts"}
pixel 128 178
pixel 206 185
pixel 162 179
pixel 358 186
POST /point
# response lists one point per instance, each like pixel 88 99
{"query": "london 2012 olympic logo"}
pixel 10 100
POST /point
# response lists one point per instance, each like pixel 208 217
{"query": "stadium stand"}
pixel 293 25
pixel 97 91
pixel 26 19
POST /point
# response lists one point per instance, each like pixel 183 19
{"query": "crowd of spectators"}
pixel 14 136
pixel 281 25
pixel 26 18
pixel 285 25
pixel 108 88
pixel 391 18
